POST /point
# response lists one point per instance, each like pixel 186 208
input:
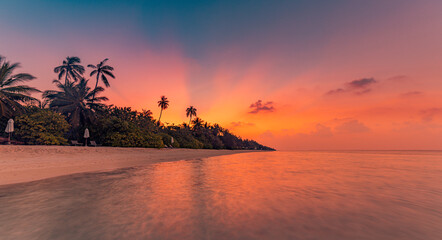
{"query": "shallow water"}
pixel 271 195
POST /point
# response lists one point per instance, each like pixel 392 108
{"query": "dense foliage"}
pixel 42 126
pixel 123 127
pixel 75 101
pixel 75 106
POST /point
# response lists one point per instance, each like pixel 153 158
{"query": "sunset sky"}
pixel 290 74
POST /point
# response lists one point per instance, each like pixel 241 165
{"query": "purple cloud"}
pixel 361 83
pixel 259 106
pixel 336 91
pixel 359 87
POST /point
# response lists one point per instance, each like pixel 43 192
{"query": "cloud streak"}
pixel 358 87
pixel 428 115
pixel 361 83
pixel 411 94
pixel 241 124
pixel 352 126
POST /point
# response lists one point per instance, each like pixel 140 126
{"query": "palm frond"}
pixel 105 81
pixel 21 89
pixel 104 61
pixel 108 73
pixel 107 67
pixel 73 59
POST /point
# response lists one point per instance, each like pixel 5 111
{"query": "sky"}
pixel 294 75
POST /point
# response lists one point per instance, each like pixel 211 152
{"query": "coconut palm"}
pixel 75 101
pixel 190 112
pixel 217 129
pixel 163 104
pixel 102 70
pixel 13 95
pixel 71 69
pixel 197 123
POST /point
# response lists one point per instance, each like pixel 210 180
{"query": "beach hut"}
pixel 86 135
pixel 10 129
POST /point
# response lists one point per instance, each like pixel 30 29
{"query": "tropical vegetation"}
pixel 41 126
pixel 75 101
pixel 64 113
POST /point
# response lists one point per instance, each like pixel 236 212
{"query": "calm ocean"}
pixel 270 195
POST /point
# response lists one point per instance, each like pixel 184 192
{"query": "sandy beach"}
pixel 30 163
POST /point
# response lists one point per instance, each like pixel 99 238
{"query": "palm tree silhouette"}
pixel 75 101
pixel 190 112
pixel 197 123
pixel 103 70
pixel 12 95
pixel 71 68
pixel 163 104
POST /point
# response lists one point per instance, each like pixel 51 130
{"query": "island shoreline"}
pixel 27 163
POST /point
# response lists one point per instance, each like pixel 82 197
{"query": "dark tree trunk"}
pixel 161 112
pixel 96 85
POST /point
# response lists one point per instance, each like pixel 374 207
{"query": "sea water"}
pixel 261 195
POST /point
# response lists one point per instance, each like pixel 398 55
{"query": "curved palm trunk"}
pixel 96 85
pixel 190 119
pixel 66 79
pixel 161 113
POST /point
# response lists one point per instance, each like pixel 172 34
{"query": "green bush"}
pixel 154 140
pixel 42 127
pixel 167 140
pixel 116 132
pixel 187 140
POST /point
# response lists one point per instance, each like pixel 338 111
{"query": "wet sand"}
pixel 30 163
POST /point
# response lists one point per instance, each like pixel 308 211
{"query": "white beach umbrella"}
pixel 10 129
pixel 10 126
pixel 86 134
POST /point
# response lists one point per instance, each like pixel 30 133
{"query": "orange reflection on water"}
pixel 274 195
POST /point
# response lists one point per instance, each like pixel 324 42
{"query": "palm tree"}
pixel 102 70
pixel 197 123
pixel 12 95
pixel 217 129
pixel 75 101
pixel 163 104
pixel 190 112
pixel 70 68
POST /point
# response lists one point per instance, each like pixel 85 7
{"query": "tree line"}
pixel 63 114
